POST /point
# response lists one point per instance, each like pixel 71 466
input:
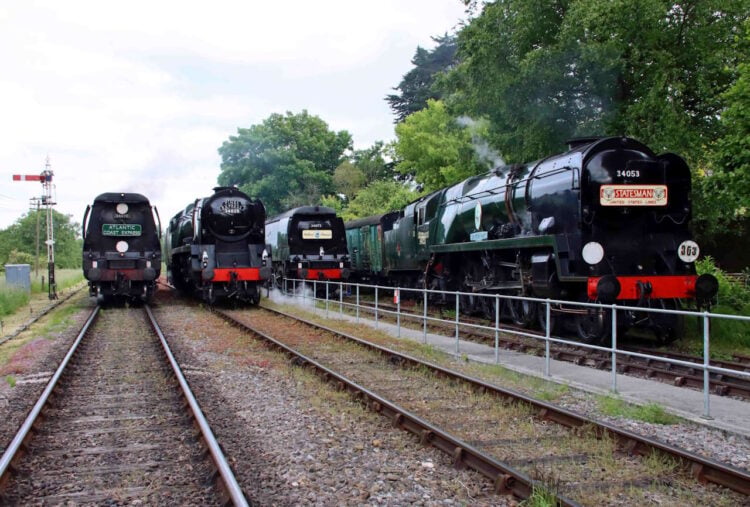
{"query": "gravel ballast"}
pixel 292 439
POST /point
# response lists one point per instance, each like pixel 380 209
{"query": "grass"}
pixel 11 299
pixel 11 380
pixel 650 412
pixel 727 336
pixel 540 497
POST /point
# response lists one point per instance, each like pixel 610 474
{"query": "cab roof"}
pixel 117 197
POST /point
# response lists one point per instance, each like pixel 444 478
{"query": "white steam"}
pixel 485 153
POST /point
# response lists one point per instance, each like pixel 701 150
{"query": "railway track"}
pixel 525 446
pixel 722 384
pixel 117 424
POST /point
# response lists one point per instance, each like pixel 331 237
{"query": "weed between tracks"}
pixel 651 412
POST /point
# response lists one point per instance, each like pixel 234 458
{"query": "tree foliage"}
pixel 416 87
pixel 722 186
pixel 378 197
pixel 374 162
pixel 435 149
pixel 543 71
pixel 348 179
pixel 18 241
pixel 286 161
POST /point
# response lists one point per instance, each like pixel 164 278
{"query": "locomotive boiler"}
pixel 215 247
pixel 121 251
pixel 607 221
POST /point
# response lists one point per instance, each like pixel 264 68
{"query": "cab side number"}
pixel 630 173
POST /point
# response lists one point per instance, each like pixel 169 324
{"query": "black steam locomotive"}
pixel 121 251
pixel 308 243
pixel 215 247
pixel 607 221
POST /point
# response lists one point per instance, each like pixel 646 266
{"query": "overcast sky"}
pixel 137 96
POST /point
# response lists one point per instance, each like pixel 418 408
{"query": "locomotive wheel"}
pixel 522 312
pixel 593 326
pixel 278 278
pixel 669 327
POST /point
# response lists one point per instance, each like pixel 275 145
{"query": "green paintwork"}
pixel 367 240
pixel 496 244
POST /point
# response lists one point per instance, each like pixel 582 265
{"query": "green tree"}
pixel 21 238
pixel 416 87
pixel 379 197
pixel 542 72
pixel 373 162
pixel 722 187
pixel 286 161
pixel 348 179
pixel 435 148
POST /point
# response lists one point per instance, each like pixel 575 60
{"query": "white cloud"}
pixel 139 95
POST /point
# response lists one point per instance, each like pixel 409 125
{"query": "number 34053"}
pixel 630 173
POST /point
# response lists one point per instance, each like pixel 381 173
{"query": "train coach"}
pixel 215 247
pixel 308 243
pixel 121 249
pixel 607 221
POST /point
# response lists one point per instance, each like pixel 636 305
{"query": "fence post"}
pixel 614 348
pixel 497 329
pixel 315 295
pixel 424 320
pixel 294 287
pixel 706 357
pixel 286 292
pixel 326 299
pixel 398 311
pixel 341 298
pixel 547 329
pixel 376 307
pixel 357 305
pixel 457 298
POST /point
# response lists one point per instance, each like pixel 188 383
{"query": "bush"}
pixel 731 294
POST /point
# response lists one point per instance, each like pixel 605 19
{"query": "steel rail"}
pixel 229 481
pixel 506 479
pixel 703 469
pixel 12 454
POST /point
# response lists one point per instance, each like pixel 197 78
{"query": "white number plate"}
pixel 633 195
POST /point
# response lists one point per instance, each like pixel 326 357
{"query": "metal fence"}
pixel 307 289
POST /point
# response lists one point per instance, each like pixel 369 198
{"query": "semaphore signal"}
pixel 45 177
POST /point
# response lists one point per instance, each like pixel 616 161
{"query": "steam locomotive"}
pixel 215 247
pixel 308 242
pixel 607 221
pixel 121 251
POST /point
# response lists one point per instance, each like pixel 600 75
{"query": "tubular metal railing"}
pixel 299 288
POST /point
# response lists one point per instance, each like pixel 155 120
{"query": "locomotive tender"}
pixel 308 243
pixel 215 247
pixel 607 221
pixel 121 251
